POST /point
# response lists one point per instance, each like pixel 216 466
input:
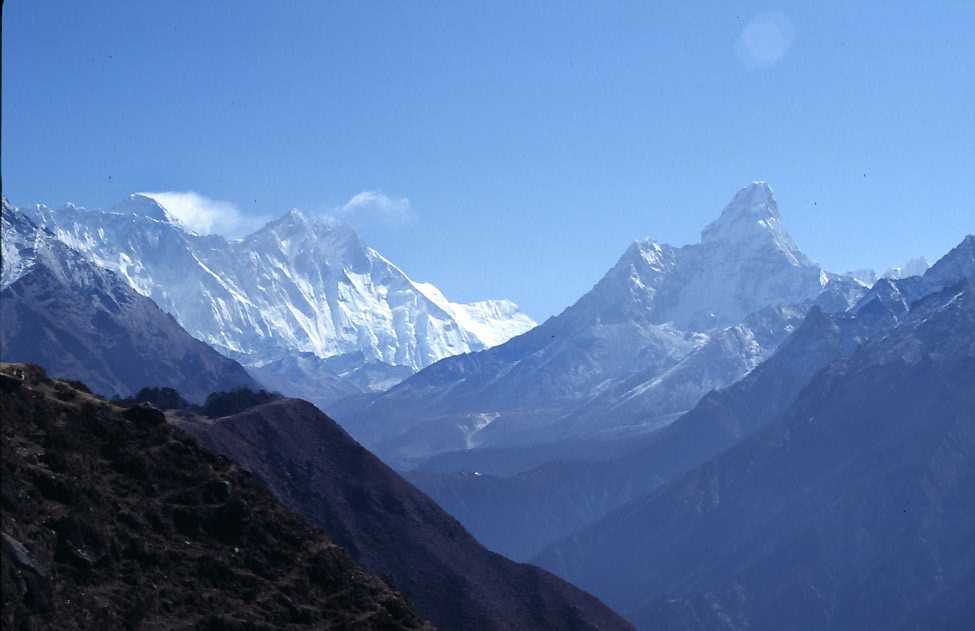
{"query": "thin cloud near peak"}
pixel 205 215
pixel 377 207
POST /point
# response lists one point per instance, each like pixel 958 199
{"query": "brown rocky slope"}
pixel 113 519
pixel 393 529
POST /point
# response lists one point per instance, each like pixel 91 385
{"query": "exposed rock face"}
pixel 395 531
pixel 83 322
pixel 114 519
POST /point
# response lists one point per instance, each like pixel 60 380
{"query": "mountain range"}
pixel 661 329
pixel 850 509
pixel 717 436
pixel 298 285
pixel 519 514
pixel 83 322
pixel 912 267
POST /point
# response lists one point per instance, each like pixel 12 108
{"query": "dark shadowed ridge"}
pixel 852 510
pixel 519 515
pixel 315 468
pixel 83 322
pixel 113 519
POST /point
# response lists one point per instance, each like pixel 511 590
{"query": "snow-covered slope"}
pixel 517 515
pixel 663 327
pixel 492 321
pixel 651 398
pixel 324 380
pixel 845 509
pixel 296 285
pixel 912 267
pixel 82 321
pixel 25 246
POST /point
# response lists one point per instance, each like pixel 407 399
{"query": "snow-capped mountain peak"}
pixel 492 321
pixel 752 219
pixel 145 206
pixel 913 267
pixel 322 238
pixel 661 328
pixel 299 284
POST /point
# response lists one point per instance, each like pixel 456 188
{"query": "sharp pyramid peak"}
pixel 758 194
pixel 752 207
pixel 752 218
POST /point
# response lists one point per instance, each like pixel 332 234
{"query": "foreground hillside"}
pixel 113 519
pixel 391 528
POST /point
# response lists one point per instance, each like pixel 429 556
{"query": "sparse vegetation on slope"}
pixel 113 519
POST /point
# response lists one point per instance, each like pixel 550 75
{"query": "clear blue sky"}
pixel 533 141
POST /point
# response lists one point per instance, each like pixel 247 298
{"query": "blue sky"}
pixel 507 149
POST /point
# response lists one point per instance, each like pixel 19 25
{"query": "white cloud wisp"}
pixel 204 215
pixel 375 207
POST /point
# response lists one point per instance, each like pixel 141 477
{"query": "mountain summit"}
pixel 664 326
pixel 144 206
pixel 299 284
pixel 848 509
pixel 752 217
pixel 82 321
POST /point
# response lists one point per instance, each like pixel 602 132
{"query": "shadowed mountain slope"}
pixel 852 510
pixel 518 515
pixel 298 284
pixel 315 468
pixel 663 327
pixel 113 519
pixel 80 321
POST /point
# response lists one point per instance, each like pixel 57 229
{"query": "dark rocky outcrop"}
pixel 114 519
